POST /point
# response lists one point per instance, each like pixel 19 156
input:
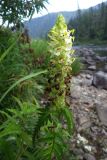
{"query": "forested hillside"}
pixel 91 24
pixel 39 27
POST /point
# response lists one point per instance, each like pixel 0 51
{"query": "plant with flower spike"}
pixel 58 124
pixel 61 58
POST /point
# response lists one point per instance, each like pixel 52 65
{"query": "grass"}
pixel 40 47
pixel 76 67
pixel 41 54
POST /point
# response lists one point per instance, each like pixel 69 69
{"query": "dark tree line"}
pixel 91 23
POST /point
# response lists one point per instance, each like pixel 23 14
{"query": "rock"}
pixel 75 92
pixel 105 150
pixel 89 60
pixel 100 80
pixel 81 139
pixel 92 53
pixel 89 157
pixel 86 71
pixel 105 68
pixel 92 68
pixel 88 76
pixel 101 59
pixel 87 82
pixel 84 123
pixel 83 60
pixel 78 151
pixel 88 148
pixel 102 113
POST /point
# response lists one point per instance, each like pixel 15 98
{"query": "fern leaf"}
pixel 32 75
pixel 43 118
pixel 69 119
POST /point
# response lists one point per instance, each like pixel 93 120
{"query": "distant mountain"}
pixel 39 27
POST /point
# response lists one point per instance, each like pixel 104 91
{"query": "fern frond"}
pixel 42 120
pixel 69 119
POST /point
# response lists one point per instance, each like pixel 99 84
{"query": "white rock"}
pixel 82 139
pixel 88 148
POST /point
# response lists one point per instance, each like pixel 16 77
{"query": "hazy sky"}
pixel 67 5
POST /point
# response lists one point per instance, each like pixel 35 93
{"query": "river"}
pixel 101 50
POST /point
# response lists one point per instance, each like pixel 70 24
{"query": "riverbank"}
pixel 88 102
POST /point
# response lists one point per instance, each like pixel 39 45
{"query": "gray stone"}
pixel 89 157
pixel 102 113
pixel 75 92
pixel 89 60
pixel 105 68
pixel 88 76
pixel 78 151
pixel 101 59
pixel 83 60
pixel 105 150
pixel 86 82
pixel 92 68
pixel 83 123
pixel 100 79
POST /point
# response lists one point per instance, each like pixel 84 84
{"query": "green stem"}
pixel 21 151
pixel 53 142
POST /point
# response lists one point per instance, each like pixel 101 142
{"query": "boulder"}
pixel 102 113
pixel 100 80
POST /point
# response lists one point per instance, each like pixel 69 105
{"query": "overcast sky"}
pixel 67 5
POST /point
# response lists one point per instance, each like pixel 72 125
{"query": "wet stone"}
pixel 89 157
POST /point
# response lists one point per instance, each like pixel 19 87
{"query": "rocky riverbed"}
pixel 88 102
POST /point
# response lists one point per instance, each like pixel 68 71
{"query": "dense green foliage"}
pixel 16 131
pixel 37 124
pixel 91 24
pixel 19 61
pixel 5 39
pixel 14 11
